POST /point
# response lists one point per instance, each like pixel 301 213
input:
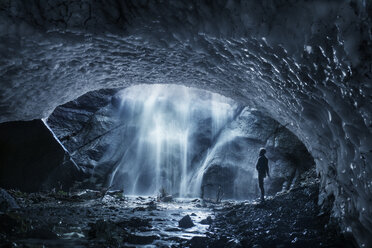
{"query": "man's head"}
pixel 262 151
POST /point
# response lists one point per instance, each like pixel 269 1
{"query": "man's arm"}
pixel 257 163
pixel 267 168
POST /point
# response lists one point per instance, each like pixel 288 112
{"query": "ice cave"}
pixel 144 123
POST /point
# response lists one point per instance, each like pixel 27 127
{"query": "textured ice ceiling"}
pixel 306 63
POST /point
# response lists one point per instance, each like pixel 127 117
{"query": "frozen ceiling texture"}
pixel 306 63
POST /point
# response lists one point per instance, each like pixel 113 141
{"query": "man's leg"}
pixel 261 185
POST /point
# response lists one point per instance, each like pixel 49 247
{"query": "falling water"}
pixel 196 179
pixel 163 125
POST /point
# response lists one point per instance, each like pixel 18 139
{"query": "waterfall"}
pixel 165 128
pixel 197 178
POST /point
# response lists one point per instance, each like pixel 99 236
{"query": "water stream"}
pixel 167 128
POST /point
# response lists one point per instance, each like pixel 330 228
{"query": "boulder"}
pixel 206 221
pixel 32 159
pixel 186 222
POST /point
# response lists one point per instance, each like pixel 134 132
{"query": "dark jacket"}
pixel 262 166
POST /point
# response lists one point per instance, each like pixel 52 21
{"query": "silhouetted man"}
pixel 263 169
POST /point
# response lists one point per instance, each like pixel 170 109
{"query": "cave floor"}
pixel 290 219
pixel 58 220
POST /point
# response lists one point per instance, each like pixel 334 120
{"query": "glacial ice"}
pixel 256 52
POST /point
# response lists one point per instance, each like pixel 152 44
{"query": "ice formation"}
pixel 306 63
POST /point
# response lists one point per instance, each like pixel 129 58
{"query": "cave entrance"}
pixel 154 162
pixel 175 140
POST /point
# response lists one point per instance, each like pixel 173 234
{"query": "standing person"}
pixel 263 169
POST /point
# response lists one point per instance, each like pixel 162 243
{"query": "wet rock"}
pixel 136 222
pixel 89 194
pixel 193 214
pixel 186 222
pixel 219 242
pixel 41 233
pixel 109 231
pixel 37 198
pixel 116 193
pixel 198 242
pixel 151 206
pixel 138 209
pixel 167 198
pixel 141 240
pixel 7 201
pixel 8 224
pixel 207 221
pixel 89 222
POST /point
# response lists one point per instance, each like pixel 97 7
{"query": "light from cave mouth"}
pixel 166 128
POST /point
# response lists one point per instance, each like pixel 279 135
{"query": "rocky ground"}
pixel 90 220
pixel 86 219
pixel 288 220
pixel 291 218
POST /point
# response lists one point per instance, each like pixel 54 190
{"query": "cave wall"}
pixel 232 161
pixel 32 159
pixel 81 125
pixel 307 63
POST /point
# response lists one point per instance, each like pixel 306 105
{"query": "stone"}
pixel 136 222
pixel 32 159
pixel 185 222
pixel 9 224
pixel 167 198
pixel 41 233
pixel 7 201
pixel 89 194
pixel 141 239
pixel 207 221
pixel 105 229
pixel 198 242
pixel 151 206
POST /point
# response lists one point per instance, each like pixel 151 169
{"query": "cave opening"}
pixel 182 141
pixel 306 64
pixel 168 150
